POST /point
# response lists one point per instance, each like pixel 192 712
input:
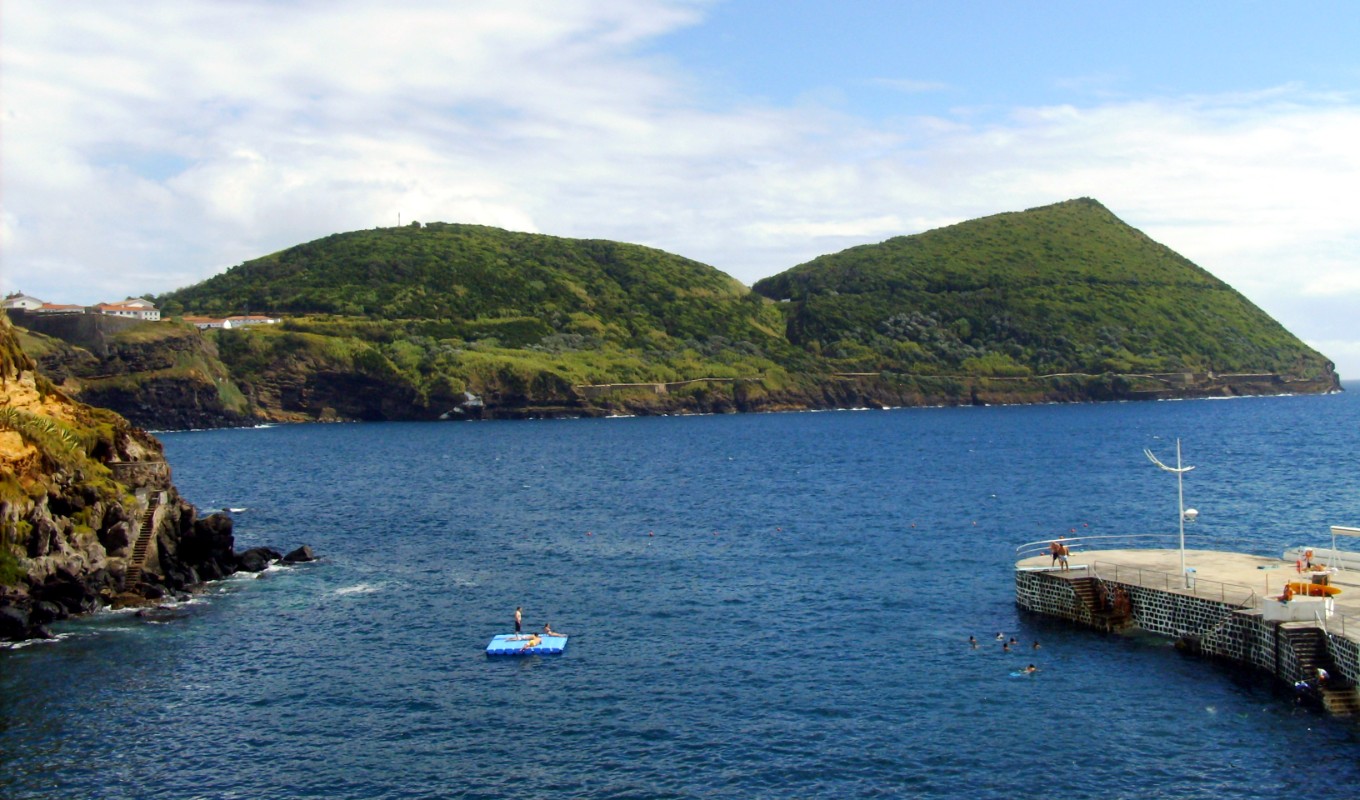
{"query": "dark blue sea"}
pixel 759 606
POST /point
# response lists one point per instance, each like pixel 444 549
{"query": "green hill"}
pixel 1063 302
pixel 522 286
pixel 1066 288
pixel 404 321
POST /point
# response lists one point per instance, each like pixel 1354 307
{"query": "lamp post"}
pixel 1180 498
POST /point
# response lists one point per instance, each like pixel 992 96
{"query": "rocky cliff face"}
pixel 88 514
pixel 160 376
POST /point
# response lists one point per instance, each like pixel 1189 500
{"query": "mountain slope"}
pixel 1061 288
pixel 625 293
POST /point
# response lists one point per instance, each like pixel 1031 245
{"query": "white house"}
pixel 251 319
pixel 132 308
pixel 23 302
pixel 61 308
pixel 204 323
pixel 227 323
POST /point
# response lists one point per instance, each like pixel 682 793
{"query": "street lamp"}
pixel 1184 514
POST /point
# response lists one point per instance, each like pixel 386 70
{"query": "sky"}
pixel 147 146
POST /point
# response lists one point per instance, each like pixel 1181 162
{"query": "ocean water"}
pixel 759 606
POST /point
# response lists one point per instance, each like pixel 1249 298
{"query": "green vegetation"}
pixel 411 318
pixel 490 283
pixel 1063 288
pixel 441 309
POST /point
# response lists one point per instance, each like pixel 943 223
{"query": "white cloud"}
pixel 149 146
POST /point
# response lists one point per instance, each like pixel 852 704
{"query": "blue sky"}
pixel 885 59
pixel 147 146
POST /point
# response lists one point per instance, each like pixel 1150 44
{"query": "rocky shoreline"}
pixel 89 517
pixel 206 554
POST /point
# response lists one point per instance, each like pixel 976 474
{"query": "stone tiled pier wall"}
pixel 1218 628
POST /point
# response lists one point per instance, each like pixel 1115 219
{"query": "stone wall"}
pixel 1211 627
pixel 90 331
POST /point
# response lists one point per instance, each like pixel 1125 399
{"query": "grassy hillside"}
pixel 518 288
pixel 1062 288
pixel 420 314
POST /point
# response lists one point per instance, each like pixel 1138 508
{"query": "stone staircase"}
pixel 1339 697
pixel 1341 701
pixel 1310 649
pixel 1092 594
pixel 143 543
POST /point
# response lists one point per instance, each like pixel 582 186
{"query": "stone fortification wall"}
pixel 87 330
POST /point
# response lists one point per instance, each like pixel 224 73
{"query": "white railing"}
pixel 1104 542
pixel 1242 596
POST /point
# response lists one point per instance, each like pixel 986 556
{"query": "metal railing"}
pixel 1078 543
pixel 1171 582
pixel 1339 621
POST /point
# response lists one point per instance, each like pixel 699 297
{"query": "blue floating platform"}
pixel 508 644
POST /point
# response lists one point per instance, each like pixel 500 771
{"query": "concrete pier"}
pixel 1227 606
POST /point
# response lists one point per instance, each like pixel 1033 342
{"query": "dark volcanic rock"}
pixel 257 558
pixel 13 623
pixel 302 554
pixel 209 546
pixel 69 591
pixel 45 611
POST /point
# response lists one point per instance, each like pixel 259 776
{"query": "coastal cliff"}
pixel 159 375
pixel 88 513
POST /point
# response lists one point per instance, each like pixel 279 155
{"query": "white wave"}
pixel 32 642
pixel 359 588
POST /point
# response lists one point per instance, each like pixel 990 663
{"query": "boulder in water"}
pixel 256 559
pixel 13 623
pixel 300 555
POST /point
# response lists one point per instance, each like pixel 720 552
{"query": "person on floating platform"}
pixel 534 641
pixel 519 618
pixel 548 631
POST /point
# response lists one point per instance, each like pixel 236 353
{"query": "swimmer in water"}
pixel 972 640
pixel 1031 669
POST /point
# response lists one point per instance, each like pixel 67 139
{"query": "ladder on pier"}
pixel 143 543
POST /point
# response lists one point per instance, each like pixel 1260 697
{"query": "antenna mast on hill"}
pixel 1185 513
